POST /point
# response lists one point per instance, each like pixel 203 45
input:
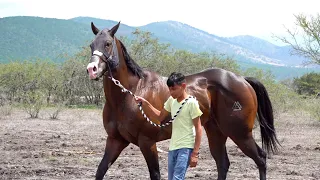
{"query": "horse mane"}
pixel 131 64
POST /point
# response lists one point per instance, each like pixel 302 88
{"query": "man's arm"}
pixel 195 152
pixel 152 111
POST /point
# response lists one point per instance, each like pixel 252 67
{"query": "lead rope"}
pixel 124 90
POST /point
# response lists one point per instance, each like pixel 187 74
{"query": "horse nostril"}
pixel 87 71
pixel 94 69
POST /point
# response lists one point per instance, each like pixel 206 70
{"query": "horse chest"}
pixel 122 123
pixel 130 133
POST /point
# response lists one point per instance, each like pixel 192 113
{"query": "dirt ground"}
pixel 72 146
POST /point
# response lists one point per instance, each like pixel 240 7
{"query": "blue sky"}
pixel 260 18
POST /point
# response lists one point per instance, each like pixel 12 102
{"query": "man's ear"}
pixel 184 85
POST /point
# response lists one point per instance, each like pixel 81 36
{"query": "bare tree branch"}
pixel 305 38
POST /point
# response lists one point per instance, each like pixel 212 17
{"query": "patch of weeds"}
pixel 6 110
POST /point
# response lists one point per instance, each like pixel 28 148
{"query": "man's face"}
pixel 177 90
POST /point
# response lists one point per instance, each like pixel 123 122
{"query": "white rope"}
pixel 124 90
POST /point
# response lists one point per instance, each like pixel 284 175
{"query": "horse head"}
pixel 104 52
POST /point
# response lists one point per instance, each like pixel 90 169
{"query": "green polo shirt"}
pixel 183 130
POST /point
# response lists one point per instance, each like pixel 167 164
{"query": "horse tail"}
pixel 265 114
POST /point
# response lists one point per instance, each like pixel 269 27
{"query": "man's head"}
pixel 177 84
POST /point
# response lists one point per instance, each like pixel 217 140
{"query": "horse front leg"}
pixel 149 150
pixel 114 146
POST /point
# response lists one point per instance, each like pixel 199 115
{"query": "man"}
pixel 186 127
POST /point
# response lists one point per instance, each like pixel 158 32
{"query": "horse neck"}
pixel 113 93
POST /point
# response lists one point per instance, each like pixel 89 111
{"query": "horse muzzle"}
pixel 93 67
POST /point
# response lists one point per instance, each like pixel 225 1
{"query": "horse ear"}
pixel 95 30
pixel 114 29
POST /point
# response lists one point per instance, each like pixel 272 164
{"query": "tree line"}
pixel 34 84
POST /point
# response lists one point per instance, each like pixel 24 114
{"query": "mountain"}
pixel 244 48
pixel 259 46
pixel 35 37
pixel 249 51
pixel 125 30
pixel 47 38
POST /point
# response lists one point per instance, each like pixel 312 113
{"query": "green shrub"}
pixel 282 97
pixel 55 110
pixel 6 110
pixel 312 106
pixel 33 102
pixel 308 84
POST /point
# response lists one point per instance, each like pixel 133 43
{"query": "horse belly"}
pixel 128 133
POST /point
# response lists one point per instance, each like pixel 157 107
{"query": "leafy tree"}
pixel 77 87
pixel 223 62
pixel 305 38
pixel 33 102
pixel 147 51
pixel 308 84
pixel 159 57
pixel 28 82
pixel 11 78
pixel 282 97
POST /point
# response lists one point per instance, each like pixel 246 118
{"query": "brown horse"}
pixel 230 104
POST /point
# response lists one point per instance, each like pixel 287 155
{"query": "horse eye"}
pixel 108 44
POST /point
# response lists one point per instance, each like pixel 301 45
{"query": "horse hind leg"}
pixel 217 145
pixel 114 147
pixel 250 148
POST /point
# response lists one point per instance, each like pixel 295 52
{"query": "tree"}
pixel 308 84
pixel 153 55
pixel 147 51
pixel 77 87
pixel 305 38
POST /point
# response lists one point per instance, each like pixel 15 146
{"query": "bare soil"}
pixel 72 146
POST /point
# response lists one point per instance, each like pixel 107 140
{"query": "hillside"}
pixel 47 38
pixel 183 36
pixel 101 24
pixel 260 46
pixel 34 37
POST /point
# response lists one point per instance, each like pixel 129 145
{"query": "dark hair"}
pixel 175 79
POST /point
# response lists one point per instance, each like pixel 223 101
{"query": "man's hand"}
pixel 139 99
pixel 151 111
pixel 195 152
pixel 194 159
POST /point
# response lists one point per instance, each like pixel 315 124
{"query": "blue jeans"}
pixel 178 162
